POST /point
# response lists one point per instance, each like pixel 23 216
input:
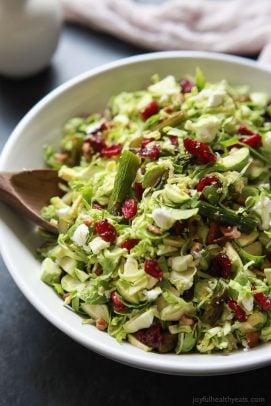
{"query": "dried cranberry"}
pixel 151 267
pixel 146 142
pixel 105 230
pixel 200 150
pixel 117 303
pixel 97 206
pixel 111 150
pixel 263 300
pixel 139 190
pixel 174 139
pixel 129 244
pixel 207 181
pixel 129 208
pixel 254 141
pixel 186 85
pixel 238 311
pixel 97 142
pixel 151 109
pixel 243 130
pixel 221 265
pixel 151 336
pixel 150 152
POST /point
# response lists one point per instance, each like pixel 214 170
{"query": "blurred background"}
pixel 43 43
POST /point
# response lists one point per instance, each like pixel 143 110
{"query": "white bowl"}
pixel 86 93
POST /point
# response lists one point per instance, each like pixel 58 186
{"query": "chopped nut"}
pixel 252 338
pixel 188 321
pixel 213 233
pixel 196 247
pixel 61 157
pixel 87 151
pixel 87 222
pixel 154 229
pixel 101 324
pixel 231 232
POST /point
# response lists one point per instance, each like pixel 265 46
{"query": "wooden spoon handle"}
pixel 6 190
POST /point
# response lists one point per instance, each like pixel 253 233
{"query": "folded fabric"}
pixel 234 26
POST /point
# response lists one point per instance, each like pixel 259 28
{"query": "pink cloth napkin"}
pixel 233 26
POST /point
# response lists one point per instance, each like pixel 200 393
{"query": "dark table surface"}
pixel 39 365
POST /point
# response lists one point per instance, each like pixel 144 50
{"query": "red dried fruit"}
pixel 151 267
pixel 151 109
pixel 151 336
pixel 207 181
pixel 118 306
pixel 186 85
pixel 129 208
pixel 96 141
pixel 139 190
pixel 150 152
pixel 221 265
pixel 263 300
pixel 129 244
pixel 243 130
pixel 111 150
pixel 200 150
pixel 238 311
pixel 174 139
pixel 105 230
pixel 254 141
pixel 146 142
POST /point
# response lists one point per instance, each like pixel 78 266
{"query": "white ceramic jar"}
pixel 29 32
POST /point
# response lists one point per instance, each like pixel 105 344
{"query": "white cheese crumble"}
pixel 162 218
pixel 263 209
pixel 98 244
pixel 166 86
pixel 80 235
pixel 153 293
pixel 214 97
pixel 205 128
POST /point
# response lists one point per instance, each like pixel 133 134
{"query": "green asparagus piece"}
pixel 126 173
pixel 226 216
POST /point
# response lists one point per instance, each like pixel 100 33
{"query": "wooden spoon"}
pixel 29 191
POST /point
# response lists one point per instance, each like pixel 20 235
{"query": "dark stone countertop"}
pixel 39 365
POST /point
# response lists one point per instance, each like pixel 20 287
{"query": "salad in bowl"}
pixel 165 218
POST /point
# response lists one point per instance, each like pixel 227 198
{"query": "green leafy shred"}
pixel 165 219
